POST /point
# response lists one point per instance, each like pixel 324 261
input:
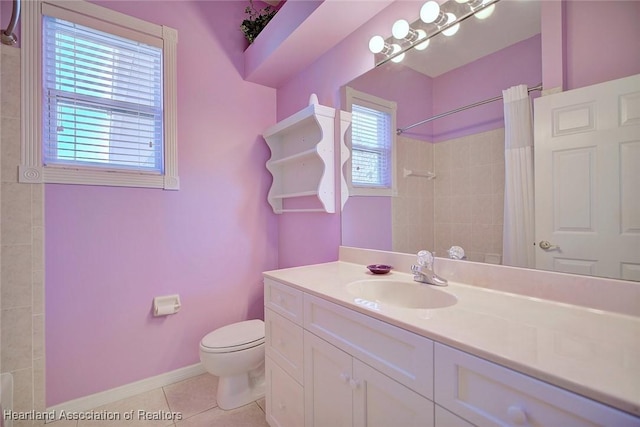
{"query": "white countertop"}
pixel 591 352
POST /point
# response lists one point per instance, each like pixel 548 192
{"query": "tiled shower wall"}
pixel 469 194
pixel 22 248
pixel 462 206
pixel 412 208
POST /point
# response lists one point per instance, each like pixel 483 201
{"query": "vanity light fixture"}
pixel 485 12
pixel 396 50
pixel 422 34
pixel 453 28
pixel 402 31
pixel 433 20
pixel 430 13
pixel 378 45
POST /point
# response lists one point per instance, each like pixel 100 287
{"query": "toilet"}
pixel 235 353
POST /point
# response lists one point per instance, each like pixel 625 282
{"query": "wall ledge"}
pixel 301 32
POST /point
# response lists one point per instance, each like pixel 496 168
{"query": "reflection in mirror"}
pixel 455 195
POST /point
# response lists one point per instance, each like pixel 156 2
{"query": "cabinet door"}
pixel 380 401
pixel 327 391
pixel 284 397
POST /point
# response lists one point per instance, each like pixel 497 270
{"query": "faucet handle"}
pixel 425 259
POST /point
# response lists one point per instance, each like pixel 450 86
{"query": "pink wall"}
pixel 602 41
pixel 483 79
pixel 419 97
pixel 109 251
pixel 366 223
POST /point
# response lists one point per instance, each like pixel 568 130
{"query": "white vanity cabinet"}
pixel 356 370
pixel 342 391
pixel 359 371
pixel 329 365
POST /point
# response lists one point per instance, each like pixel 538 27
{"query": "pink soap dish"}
pixel 379 268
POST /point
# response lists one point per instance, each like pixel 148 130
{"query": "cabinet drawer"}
pixel 487 394
pixel 285 397
pixel 284 343
pixel 284 300
pixel 402 355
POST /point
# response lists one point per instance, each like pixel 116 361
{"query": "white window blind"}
pixel 371 148
pixel 102 99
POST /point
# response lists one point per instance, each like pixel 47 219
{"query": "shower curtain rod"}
pixel 8 37
pixel 400 131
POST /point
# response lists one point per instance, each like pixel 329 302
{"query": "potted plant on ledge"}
pixel 256 20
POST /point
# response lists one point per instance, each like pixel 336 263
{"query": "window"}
pixel 372 145
pixel 107 91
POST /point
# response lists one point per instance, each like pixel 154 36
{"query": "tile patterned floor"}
pixel 194 399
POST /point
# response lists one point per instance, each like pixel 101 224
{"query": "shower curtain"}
pixel 518 225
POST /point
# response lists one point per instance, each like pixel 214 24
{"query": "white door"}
pixel 327 389
pixel 587 180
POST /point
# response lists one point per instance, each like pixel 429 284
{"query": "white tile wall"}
pixel 462 206
pixel 22 254
pixel 412 209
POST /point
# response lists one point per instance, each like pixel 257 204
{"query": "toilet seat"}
pixel 234 337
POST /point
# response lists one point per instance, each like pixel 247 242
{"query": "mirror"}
pixel 463 204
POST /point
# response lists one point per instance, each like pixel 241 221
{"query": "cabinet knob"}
pixel 345 377
pixel 354 383
pixel 517 415
pixel 279 298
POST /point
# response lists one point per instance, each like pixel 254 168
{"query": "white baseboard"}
pixel 109 396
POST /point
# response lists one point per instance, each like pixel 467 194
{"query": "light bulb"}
pixel 421 35
pixel 376 44
pixel 451 30
pixel 486 12
pixel 400 29
pixel 397 48
pixel 429 12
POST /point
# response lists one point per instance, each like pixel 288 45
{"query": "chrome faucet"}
pixel 423 270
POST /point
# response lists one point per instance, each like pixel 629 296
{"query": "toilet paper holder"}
pixel 165 305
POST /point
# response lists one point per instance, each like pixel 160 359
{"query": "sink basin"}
pixel 400 293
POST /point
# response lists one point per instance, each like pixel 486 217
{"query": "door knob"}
pixel 546 245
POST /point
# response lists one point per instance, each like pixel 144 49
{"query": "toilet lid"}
pixel 236 336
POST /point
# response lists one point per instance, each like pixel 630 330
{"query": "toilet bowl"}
pixel 235 354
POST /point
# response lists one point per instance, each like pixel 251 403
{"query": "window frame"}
pixel 376 103
pixel 32 169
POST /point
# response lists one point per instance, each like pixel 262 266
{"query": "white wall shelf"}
pixel 302 159
pixel 303 154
